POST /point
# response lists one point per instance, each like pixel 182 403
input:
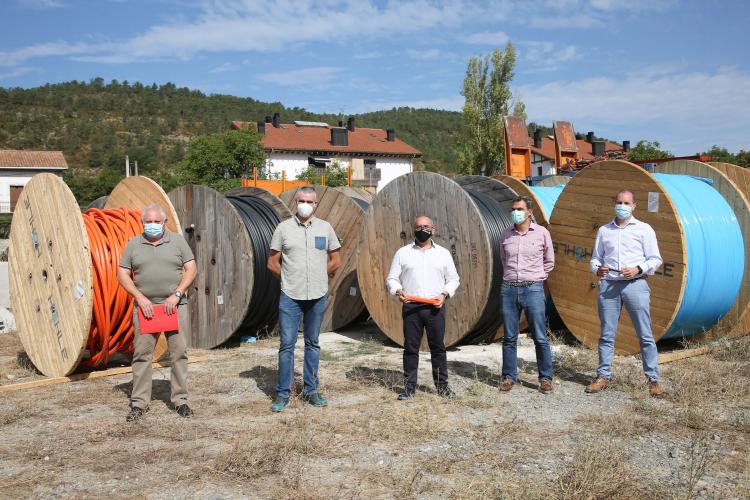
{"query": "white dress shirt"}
pixel 423 273
pixel 629 246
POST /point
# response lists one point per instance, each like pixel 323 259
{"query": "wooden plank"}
pixel 50 272
pixel 76 377
pixel 669 357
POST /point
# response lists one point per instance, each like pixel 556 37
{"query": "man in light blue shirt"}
pixel 625 253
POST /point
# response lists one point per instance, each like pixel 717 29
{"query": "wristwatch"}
pixel 179 294
pixel 640 271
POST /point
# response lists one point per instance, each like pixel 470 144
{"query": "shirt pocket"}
pixel 320 242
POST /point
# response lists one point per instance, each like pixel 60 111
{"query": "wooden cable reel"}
pixel 345 210
pixel 51 278
pixel 222 292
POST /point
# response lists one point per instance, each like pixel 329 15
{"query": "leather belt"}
pixel 520 283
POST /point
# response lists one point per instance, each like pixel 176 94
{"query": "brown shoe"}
pixel 545 386
pixel 506 384
pixel 654 389
pixel 597 385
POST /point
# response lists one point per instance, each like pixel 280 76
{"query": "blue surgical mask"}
pixel 153 230
pixel 623 211
pixel 519 216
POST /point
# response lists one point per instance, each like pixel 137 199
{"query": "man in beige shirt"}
pixel 157 267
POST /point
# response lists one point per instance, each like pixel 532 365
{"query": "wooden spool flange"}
pixel 357 193
pixel 553 180
pixel 540 216
pixel 345 302
pixel 389 225
pixel 51 282
pixel 587 203
pixel 727 182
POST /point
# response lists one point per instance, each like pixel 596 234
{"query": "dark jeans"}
pixel 417 318
pixel 530 299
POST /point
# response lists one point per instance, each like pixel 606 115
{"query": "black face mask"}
pixel 422 235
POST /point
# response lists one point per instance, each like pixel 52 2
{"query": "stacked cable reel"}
pixel 345 209
pixel 699 220
pixel 69 306
pixel 234 294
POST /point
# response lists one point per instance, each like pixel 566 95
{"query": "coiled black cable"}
pixel 260 220
pixel 496 220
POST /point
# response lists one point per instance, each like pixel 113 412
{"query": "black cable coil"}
pixel 260 220
pixel 496 220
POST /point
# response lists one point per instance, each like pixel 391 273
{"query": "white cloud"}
pixel 48 49
pixel 368 55
pixel 580 21
pixel 546 56
pixel 41 4
pixel 303 77
pixel 20 71
pixel 426 54
pixel 687 112
pixel 224 68
pixel 496 38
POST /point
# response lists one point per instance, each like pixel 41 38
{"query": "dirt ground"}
pixel 71 440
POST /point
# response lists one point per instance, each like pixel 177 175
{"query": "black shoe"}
pixel 446 392
pixel 184 411
pixel 407 394
pixel 135 414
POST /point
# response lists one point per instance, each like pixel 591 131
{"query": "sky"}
pixel 677 72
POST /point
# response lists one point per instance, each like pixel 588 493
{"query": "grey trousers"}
pixel 142 359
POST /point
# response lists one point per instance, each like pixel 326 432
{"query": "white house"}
pixel 17 167
pixel 376 156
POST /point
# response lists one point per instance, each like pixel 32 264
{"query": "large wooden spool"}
pixel 587 203
pixel 346 214
pixel 727 181
pixel 553 180
pixel 51 279
pixel 389 225
pixel 520 187
pixel 221 294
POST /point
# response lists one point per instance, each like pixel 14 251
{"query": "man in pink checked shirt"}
pixel 528 258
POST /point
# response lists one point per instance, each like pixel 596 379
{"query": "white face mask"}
pixel 305 210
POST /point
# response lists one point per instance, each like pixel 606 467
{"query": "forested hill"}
pixel 96 123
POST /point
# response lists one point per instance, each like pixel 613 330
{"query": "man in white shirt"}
pixel 423 270
pixel 625 252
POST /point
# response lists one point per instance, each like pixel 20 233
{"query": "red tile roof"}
pixel 291 137
pixel 584 148
pixel 38 160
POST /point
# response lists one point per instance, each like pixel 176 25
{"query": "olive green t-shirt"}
pixel 157 268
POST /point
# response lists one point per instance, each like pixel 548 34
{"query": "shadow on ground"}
pixel 161 390
pixel 392 380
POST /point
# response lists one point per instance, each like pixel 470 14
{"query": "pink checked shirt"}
pixel 527 257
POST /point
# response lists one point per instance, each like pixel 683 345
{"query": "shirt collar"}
pixel 633 221
pixel 299 222
pixel 532 227
pixel 432 245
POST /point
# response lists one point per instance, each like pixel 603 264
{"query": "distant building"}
pixel 543 153
pixel 17 167
pixel 376 156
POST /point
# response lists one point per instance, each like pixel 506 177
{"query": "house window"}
pixel 320 163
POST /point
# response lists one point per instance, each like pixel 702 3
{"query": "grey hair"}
pixel 305 189
pixel 153 208
pixel 526 200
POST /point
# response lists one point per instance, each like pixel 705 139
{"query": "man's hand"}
pixel 145 305
pixel 602 271
pixel 440 300
pixel 170 305
pixel 402 297
pixel 629 272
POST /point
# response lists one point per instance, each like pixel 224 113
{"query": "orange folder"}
pixel 159 322
pixel 422 300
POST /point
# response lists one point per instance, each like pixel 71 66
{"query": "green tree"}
pixel 721 154
pixel 488 97
pixel 648 150
pixel 220 160
pixel 336 175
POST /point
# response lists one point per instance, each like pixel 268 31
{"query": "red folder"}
pixel 159 322
pixel 422 300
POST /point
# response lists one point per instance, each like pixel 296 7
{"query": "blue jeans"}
pixel 290 315
pixel 531 300
pixel 635 295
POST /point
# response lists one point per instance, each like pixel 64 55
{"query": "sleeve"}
pixel 276 242
pixel 187 253
pixel 126 260
pixel 451 275
pixel 549 253
pixel 333 240
pixel 393 281
pixel 650 252
pixel 503 237
pixel 597 256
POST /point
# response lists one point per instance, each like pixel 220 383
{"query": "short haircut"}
pixel 526 200
pixel 153 208
pixel 621 191
pixel 305 189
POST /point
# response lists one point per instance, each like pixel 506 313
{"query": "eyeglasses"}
pixel 423 228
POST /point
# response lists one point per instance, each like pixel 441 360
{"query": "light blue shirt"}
pixel 629 246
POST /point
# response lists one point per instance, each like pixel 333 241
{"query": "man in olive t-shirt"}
pixel 162 268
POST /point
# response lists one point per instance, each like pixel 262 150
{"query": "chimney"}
pixel 339 136
pixel 261 127
pixel 268 118
pixel 390 135
pixel 350 124
pixel 341 123
pixel 590 137
pixel 626 146
pixel 538 138
pixel 597 148
pixel 276 120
